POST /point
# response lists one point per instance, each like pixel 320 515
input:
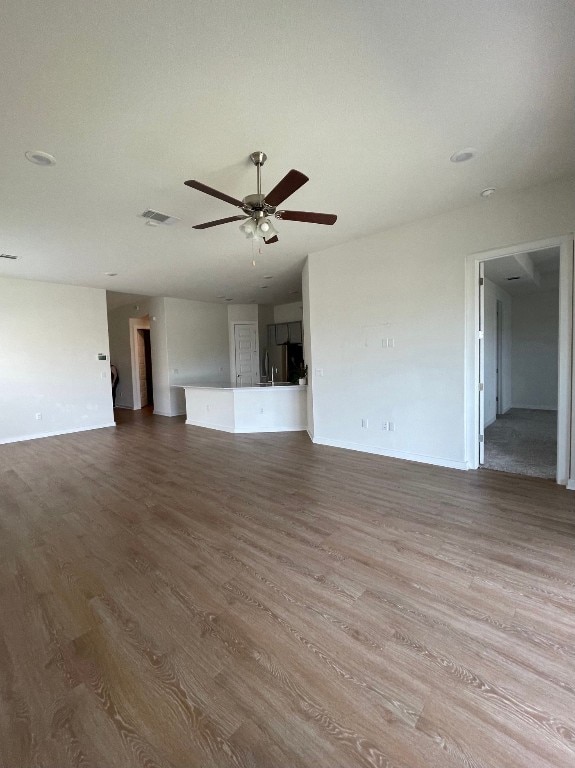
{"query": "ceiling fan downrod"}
pixel 258 159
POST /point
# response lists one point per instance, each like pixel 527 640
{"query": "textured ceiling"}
pixel 369 99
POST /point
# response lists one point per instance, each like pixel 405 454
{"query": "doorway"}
pixel 145 367
pixel 519 371
pixel 246 370
pixel 521 345
pixel 141 362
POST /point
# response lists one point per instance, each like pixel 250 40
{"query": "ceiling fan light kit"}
pixel 258 209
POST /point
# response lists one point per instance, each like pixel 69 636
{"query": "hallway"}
pixel 523 442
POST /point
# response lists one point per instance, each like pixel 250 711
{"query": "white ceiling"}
pixel 536 270
pixel 369 99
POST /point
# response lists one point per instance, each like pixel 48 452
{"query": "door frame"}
pixel 566 393
pixel 136 324
pixel 233 371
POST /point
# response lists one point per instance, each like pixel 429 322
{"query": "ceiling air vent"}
pixel 155 217
pixel 8 256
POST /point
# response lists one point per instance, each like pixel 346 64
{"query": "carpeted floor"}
pixel 523 442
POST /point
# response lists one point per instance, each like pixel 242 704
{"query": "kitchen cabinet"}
pixel 282 333
pixel 286 333
pixel 284 349
pixel 295 332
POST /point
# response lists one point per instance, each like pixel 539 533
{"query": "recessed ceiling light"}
pixel 220 297
pixel 263 286
pixel 229 299
pixel 487 192
pixel 463 155
pixel 40 158
pixel 268 277
pixel 514 278
pixel 111 274
pixel 8 256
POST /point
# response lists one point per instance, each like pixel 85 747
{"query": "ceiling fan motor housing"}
pixel 255 205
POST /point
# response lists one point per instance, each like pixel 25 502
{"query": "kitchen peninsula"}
pixel 260 408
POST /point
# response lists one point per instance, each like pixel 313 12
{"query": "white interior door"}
pixel 481 348
pixel 246 354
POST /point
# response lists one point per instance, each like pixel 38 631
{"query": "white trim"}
pixel 162 413
pixel 39 435
pixel 245 431
pixel 566 356
pixel 404 455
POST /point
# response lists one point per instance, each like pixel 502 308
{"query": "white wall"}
pixel 408 283
pixel 197 348
pixel 535 350
pixel 50 337
pixel 492 294
pixel 189 343
pixel 288 313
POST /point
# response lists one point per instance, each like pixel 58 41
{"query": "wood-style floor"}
pixel 172 596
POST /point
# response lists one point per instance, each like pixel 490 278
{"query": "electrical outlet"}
pixel 364 423
pixel 319 371
pixel 390 426
pixel 261 410
pixel 390 343
pixel 38 417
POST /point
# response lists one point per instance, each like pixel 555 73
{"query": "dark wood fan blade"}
pixel 273 239
pixel 219 221
pixel 311 218
pixel 290 183
pixel 213 192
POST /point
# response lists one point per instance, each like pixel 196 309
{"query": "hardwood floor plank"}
pixel 175 597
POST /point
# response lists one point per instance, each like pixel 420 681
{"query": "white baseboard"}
pixel 422 459
pixel 163 413
pixel 39 435
pixel 248 431
pixel 535 407
pixel 571 485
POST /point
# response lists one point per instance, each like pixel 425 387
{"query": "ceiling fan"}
pixel 258 208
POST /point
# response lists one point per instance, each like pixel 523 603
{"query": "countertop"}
pixel 276 385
